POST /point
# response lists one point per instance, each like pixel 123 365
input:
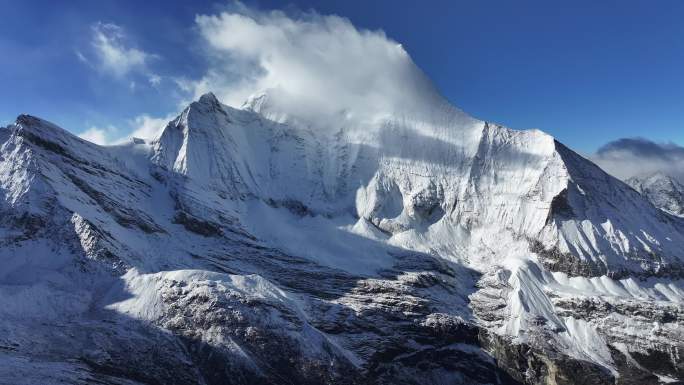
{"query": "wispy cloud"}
pixel 112 52
pixel 148 127
pixel 628 157
pixel 143 126
pixel 81 57
pixel 98 135
pixel 111 46
pixel 154 79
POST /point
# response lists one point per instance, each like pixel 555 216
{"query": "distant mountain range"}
pixel 664 191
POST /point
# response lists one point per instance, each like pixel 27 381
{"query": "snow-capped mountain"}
pixel 248 246
pixel 664 191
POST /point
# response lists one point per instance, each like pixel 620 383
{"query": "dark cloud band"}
pixel 629 157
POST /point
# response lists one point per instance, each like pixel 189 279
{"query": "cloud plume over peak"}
pixel 309 63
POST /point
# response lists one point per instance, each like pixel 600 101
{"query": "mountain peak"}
pixel 206 104
pixel 661 175
pixel 27 119
pixel 208 98
pixel 37 124
pixel 255 102
pixel 40 128
pixel 658 177
pixel 199 143
pixel 663 190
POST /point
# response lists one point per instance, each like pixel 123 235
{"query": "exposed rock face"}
pixel 664 191
pixel 235 249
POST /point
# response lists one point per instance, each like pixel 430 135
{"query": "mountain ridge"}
pixel 471 241
pixel 663 190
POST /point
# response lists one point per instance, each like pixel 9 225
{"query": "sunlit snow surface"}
pixel 213 203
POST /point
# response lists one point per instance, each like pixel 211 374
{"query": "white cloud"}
pixel 81 57
pixel 97 135
pixel 628 157
pixel 148 127
pixel 143 126
pixel 113 53
pixel 154 79
pixel 310 65
pixel 313 67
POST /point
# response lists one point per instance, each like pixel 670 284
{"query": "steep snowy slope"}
pixel 76 216
pixel 252 246
pixel 458 189
pixel 665 192
pixel 408 175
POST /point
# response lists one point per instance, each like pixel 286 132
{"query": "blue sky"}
pixel 587 72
